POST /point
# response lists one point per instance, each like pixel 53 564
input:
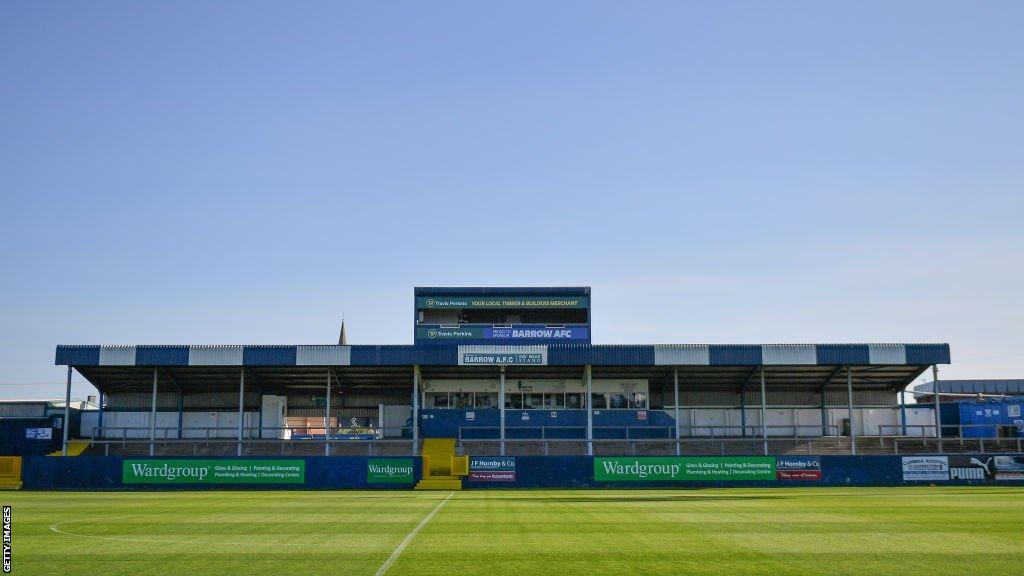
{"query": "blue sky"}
pixel 243 172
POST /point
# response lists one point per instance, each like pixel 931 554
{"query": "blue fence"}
pixel 329 473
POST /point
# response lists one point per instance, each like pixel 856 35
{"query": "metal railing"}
pixel 253 439
pixel 742 433
pixel 547 440
pixel 927 437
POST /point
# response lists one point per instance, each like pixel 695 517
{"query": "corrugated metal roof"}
pixel 990 386
pixel 558 355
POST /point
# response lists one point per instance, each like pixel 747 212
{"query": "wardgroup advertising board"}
pixel 213 471
pixel 683 468
pixel 389 471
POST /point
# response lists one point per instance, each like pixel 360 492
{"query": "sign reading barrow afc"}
pixel 472 358
pixel 686 468
pixel 213 472
pixel 520 332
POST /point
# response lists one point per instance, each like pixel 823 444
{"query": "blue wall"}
pixel 104 473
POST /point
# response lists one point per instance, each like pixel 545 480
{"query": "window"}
pixel 597 401
pixel 638 400
pixel 514 401
pixel 574 401
pixel 440 400
pixel 554 401
pixel 462 399
pixel 617 401
pixel 484 400
pixel 533 401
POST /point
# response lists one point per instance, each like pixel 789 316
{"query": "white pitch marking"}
pixel 56 529
pixel 408 538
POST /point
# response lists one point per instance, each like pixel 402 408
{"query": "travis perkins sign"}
pixel 521 332
pixel 492 302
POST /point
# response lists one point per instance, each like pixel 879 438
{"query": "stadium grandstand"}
pixel 508 371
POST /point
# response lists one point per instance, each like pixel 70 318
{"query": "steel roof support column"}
pixel 903 411
pixel 590 412
pixel 416 409
pixel 327 417
pixel 99 417
pixel 824 413
pixel 764 414
pixel 743 410
pixel 181 411
pixel 675 382
pixel 67 412
pixel 935 396
pixel 501 411
pixel 152 416
pixel 849 403
pixel 241 407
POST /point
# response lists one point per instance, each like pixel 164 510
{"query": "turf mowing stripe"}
pixel 408 538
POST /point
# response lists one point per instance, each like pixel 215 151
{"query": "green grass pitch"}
pixel 905 531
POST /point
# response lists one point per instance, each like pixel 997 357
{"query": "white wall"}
pixel 787 421
pixel 138 422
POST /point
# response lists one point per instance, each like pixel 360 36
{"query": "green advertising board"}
pixel 389 471
pixel 684 468
pixel 470 302
pixel 221 471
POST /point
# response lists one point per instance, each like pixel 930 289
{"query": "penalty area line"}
pixel 408 537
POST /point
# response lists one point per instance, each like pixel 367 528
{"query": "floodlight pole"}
pixel 327 417
pixel 241 407
pixel 675 383
pixel 764 414
pixel 849 401
pixel 501 412
pixel 67 411
pixel 590 412
pixel 152 415
pixel 415 409
pixel 935 397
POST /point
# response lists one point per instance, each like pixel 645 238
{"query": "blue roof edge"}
pixel 920 354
